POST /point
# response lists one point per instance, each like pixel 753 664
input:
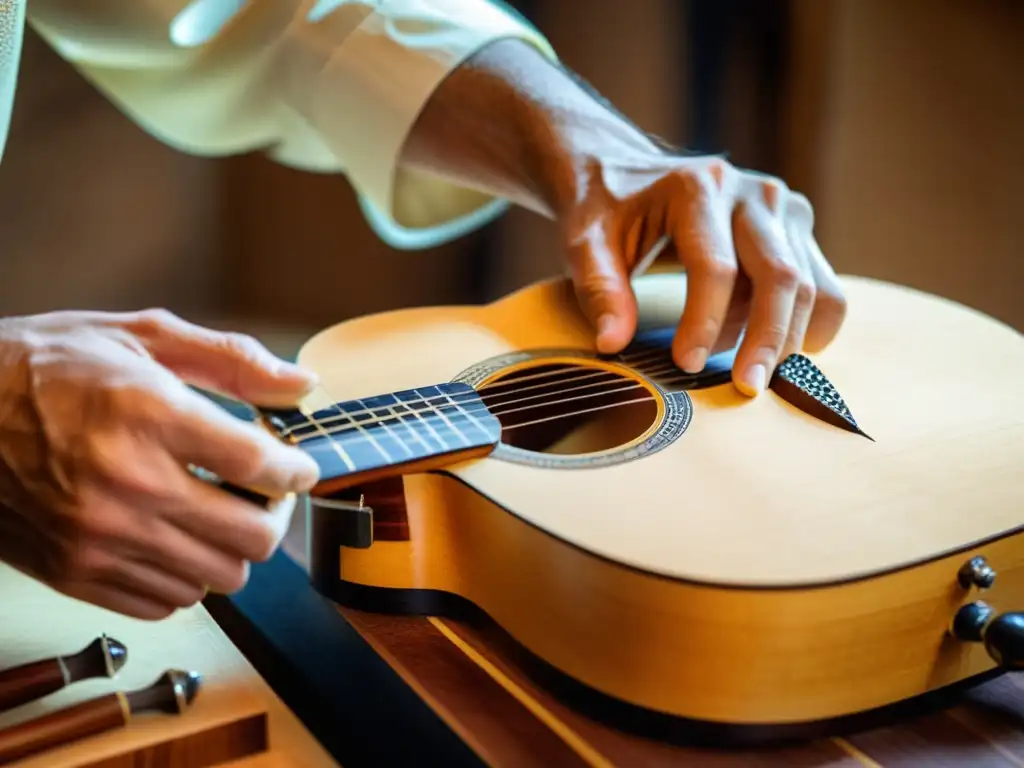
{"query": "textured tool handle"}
pixel 30 682
pixel 63 727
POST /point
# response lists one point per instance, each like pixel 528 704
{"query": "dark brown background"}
pixel 902 120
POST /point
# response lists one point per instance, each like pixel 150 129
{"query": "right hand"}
pixel 97 428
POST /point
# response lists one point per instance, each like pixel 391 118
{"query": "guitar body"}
pixel 676 546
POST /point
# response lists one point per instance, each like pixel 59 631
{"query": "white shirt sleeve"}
pixel 331 86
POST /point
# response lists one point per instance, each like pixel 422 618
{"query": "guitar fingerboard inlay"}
pixel 390 429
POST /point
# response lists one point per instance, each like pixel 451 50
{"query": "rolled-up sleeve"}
pixel 329 86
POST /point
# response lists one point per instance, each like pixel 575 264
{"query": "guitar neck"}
pixel 413 430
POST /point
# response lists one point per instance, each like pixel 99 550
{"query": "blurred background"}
pixel 902 120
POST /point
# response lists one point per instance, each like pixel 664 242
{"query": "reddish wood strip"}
pixel 29 682
pixel 466 696
pixel 64 726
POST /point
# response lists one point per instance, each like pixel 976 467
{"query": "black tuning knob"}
pixel 1004 640
pixel 976 572
pixel 1002 635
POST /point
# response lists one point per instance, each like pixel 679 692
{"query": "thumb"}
pixel 602 286
pixel 231 364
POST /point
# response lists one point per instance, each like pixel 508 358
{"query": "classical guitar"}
pixel 849 539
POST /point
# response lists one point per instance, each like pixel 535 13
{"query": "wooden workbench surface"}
pixel 37 623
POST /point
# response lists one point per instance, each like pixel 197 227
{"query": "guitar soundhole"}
pixel 566 409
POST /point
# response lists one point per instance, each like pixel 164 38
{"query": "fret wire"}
pixel 464 419
pixel 384 425
pixel 356 436
pixel 444 428
pixel 359 427
pixel 431 423
pixel 404 423
pixel 465 439
pixel 426 423
pixel 468 414
pixel 338 449
pixel 340 415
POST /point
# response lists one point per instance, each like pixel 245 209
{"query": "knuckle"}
pixel 96 524
pixel 785 275
pixel 721 173
pixel 82 559
pixel 240 344
pixel 250 462
pixel 135 481
pixel 154 320
pixel 692 183
pixel 136 403
pixel 773 335
pixel 806 292
pixel 832 303
pixel 800 210
pixel 721 272
pixel 595 285
pixel 190 596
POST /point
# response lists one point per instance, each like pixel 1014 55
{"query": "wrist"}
pixel 510 122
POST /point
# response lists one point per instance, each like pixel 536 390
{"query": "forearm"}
pixel 512 123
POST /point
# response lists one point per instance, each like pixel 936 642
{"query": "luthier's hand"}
pixel 511 122
pixel 97 428
pixel 746 242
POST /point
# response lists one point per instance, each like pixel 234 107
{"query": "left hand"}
pixel 745 239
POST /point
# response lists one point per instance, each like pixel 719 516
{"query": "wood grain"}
pixel 62 726
pixel 809 655
pixel 808 511
pixel 768 568
pixel 29 681
pixel 237 742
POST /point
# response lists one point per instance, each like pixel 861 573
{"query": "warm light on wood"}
pixel 707 579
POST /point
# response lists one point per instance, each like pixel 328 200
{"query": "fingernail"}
pixel 753 381
pixel 693 361
pixel 305 472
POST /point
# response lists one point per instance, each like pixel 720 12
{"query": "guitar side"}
pixel 785 658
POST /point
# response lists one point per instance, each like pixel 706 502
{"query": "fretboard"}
pixel 394 432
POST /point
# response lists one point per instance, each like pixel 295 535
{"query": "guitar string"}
pixel 365 434
pixel 344 420
pixel 475 395
pixel 505 428
pixel 341 423
pixel 656 371
pixel 631 358
pixel 350 429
